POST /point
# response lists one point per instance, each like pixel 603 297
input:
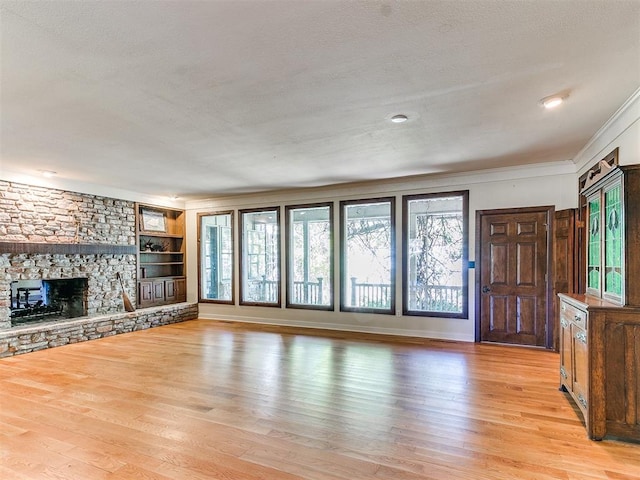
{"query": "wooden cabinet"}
pixel 573 340
pixel 600 330
pixel 161 255
pixel 161 291
pixel 600 364
pixel 613 234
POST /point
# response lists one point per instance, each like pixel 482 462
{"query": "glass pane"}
pixel 216 257
pixel 435 246
pixel 613 241
pixel 310 256
pixel 260 257
pixel 367 254
pixel 593 253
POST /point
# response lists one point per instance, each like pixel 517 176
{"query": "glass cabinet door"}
pixel 605 243
pixel 613 225
pixel 593 246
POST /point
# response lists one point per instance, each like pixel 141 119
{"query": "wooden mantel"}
pixel 67 248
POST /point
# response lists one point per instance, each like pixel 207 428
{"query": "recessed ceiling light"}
pixel 399 118
pixel 48 173
pixel 553 101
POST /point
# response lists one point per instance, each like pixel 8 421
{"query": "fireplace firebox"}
pixel 47 300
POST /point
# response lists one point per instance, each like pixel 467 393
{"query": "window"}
pixel 367 255
pixel 215 244
pixel 310 256
pixel 260 259
pixel 435 229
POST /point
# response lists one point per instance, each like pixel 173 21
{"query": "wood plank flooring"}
pixel 215 400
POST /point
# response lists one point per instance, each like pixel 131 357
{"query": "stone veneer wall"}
pixel 38 214
pixel 33 214
pixel 104 294
pixel 38 337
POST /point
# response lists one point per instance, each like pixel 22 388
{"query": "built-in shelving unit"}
pixel 161 255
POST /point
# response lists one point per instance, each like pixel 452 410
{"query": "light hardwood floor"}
pixel 214 400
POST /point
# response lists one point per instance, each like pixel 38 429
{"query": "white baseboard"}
pixel 341 327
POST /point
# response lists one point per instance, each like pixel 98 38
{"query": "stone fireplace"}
pixel 49 237
pixel 43 275
pixel 47 300
pixel 63 250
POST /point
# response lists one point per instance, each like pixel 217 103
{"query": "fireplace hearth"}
pixel 35 301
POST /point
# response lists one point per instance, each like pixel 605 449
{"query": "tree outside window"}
pixel 435 255
pixel 367 253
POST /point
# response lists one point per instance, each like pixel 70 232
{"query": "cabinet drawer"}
pixel 569 313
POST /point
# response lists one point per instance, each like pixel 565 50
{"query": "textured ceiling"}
pixel 197 98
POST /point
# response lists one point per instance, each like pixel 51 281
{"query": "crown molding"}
pixel 389 186
pixel 625 116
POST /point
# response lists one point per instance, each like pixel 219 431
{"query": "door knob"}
pixel 485 289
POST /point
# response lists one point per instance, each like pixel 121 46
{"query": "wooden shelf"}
pixel 161 263
pixel 159 235
pixel 147 279
pixel 161 253
pixel 161 277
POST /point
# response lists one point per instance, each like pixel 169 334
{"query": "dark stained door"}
pixel 565 262
pixel 513 276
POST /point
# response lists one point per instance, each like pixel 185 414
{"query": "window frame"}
pixel 464 194
pixel 289 257
pixel 202 299
pixel 343 232
pixel 241 253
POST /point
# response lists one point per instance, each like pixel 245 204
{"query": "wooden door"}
pixel 181 290
pixel 145 293
pixel 158 291
pixel 169 290
pixel 513 287
pixel 564 262
pixel 580 370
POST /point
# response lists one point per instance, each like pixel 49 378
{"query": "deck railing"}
pixel 435 298
pixel 308 293
pixel 370 295
pixel 305 293
pixel 431 298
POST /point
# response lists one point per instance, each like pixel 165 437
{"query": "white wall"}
pixel 621 131
pixel 548 184
pixel 544 184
